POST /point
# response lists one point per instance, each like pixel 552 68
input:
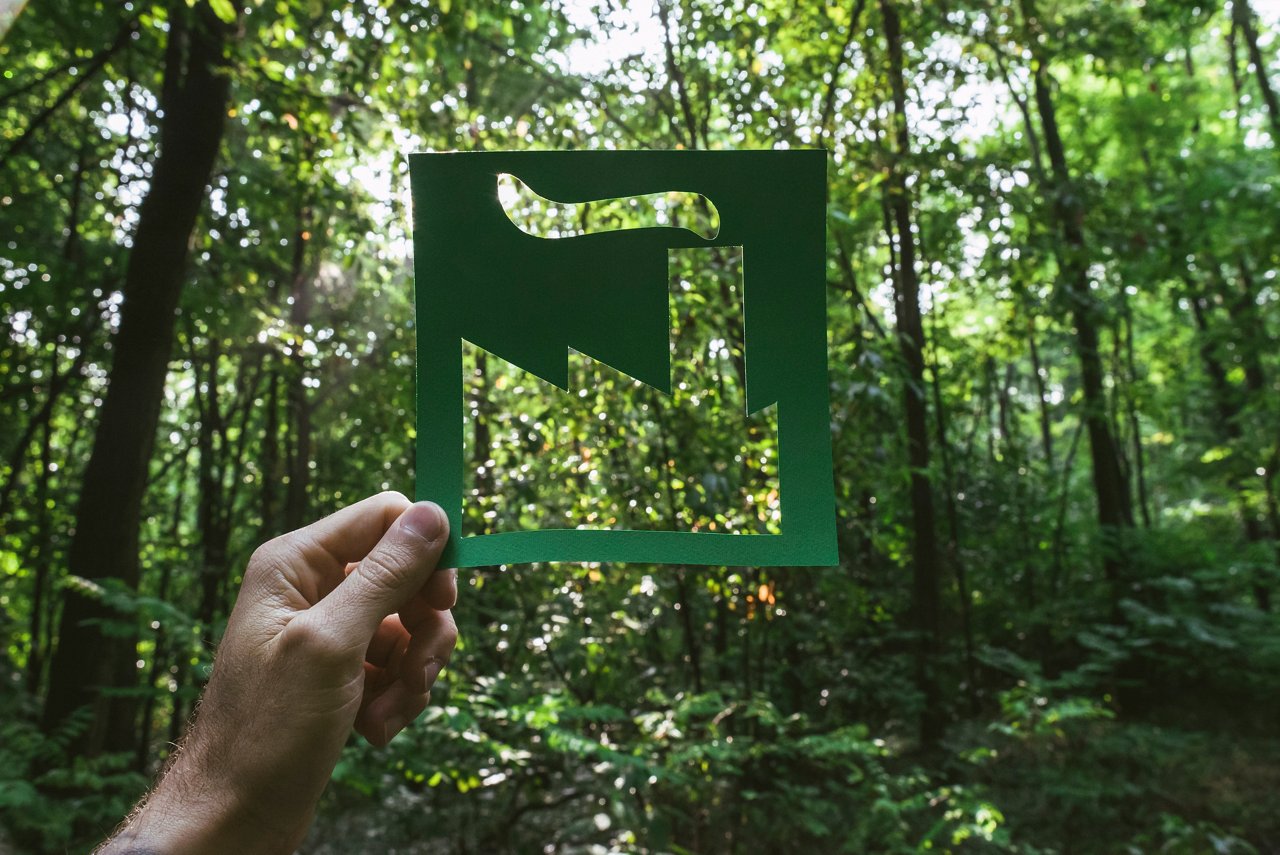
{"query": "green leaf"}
pixel 224 10
pixel 1215 454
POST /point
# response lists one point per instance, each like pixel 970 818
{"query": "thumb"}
pixel 396 568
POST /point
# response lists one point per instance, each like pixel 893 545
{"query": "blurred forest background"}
pixel 1054 235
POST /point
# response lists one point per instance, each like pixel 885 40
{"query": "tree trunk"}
pixel 1227 407
pixel 1115 510
pixel 105 545
pixel 925 564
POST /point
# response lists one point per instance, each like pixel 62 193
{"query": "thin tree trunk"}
pixel 857 300
pixel 213 516
pixel 989 399
pixel 58 383
pixel 482 445
pixel 953 527
pixel 692 646
pixel 299 410
pixel 42 560
pixel 829 100
pixel 105 544
pixel 166 648
pixel 1003 408
pixel 1227 408
pixel 1135 426
pixel 925 564
pixel 676 74
pixel 1243 306
pixel 1020 100
pixel 1060 526
pixel 298 405
pixel 271 473
pixel 1237 82
pixel 159 664
pixel 1242 18
pixel 1046 433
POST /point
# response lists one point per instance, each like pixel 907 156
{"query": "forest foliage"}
pixel 1053 245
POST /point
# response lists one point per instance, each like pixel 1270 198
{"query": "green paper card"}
pixel 529 300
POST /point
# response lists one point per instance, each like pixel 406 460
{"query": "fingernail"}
pixel 432 671
pixel 425 520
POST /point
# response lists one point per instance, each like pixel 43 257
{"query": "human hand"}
pixel 343 623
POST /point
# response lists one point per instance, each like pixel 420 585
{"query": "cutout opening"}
pixel 613 453
pixel 545 218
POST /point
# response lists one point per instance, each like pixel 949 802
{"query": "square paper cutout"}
pixel 530 299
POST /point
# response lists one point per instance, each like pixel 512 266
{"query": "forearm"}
pixel 187 812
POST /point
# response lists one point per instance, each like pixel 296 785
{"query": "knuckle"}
pixel 311 640
pixel 269 557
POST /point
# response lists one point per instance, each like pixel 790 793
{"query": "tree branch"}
pixel 829 102
pixel 48 112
